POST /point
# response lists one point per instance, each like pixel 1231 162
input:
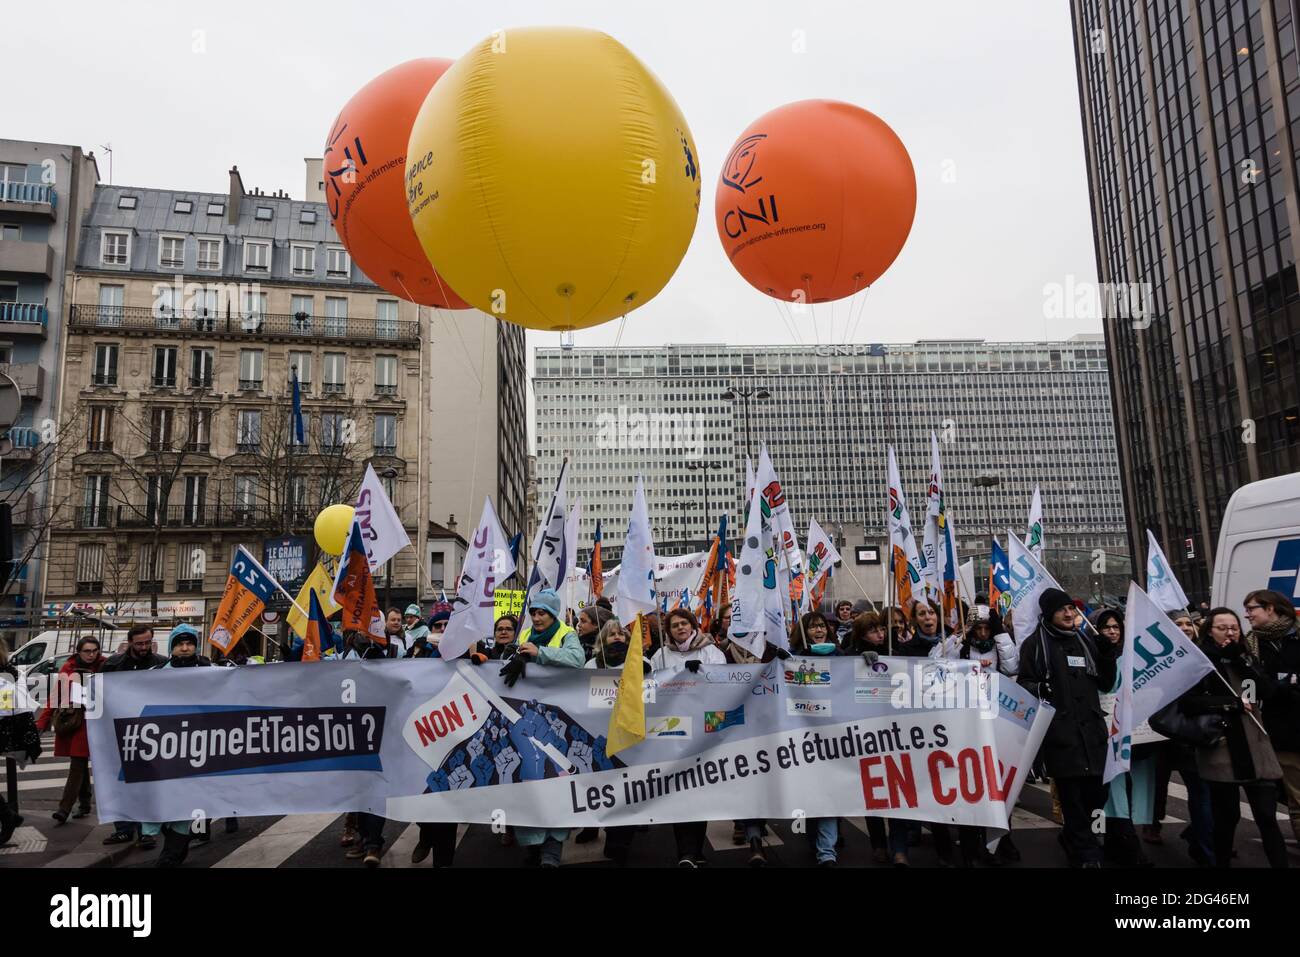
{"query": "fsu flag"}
pixel 248 589
pixel 319 633
pixel 354 589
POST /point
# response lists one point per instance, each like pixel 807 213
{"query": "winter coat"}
pixel 1280 660
pixel 1243 753
pixel 669 659
pixel 1070 672
pixel 915 647
pixel 1003 654
pixel 125 661
pixel 74 745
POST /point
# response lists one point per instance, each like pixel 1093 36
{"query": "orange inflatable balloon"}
pixel 815 201
pixel 365 183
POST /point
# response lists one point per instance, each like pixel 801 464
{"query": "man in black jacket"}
pixel 138 656
pixel 1065 668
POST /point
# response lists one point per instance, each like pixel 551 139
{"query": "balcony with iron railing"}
pixel 196 515
pixel 233 324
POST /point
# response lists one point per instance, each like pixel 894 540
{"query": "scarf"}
pixel 1273 631
pixel 697 641
pixel 540 638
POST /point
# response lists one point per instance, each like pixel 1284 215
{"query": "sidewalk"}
pixel 91 852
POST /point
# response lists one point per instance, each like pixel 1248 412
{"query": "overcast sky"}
pixel 985 90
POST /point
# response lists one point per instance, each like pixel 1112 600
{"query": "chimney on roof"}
pixel 315 192
pixel 236 197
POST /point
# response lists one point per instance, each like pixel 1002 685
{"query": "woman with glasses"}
pixel 68 717
pixel 1222 716
pixel 1274 641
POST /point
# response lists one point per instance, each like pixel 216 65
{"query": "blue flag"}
pixel 298 430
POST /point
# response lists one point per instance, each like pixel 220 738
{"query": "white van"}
pixel 1259 543
pixel 38 660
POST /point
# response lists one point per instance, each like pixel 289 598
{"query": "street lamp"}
pixel 987 481
pixel 756 393
pixel 704 468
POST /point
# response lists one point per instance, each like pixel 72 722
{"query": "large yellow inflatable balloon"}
pixel 332 527
pixel 552 178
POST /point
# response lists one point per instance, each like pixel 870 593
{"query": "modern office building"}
pixel 189 313
pixel 1028 413
pixel 1190 114
pixel 45 190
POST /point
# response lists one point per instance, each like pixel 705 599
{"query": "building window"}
pixel 301 362
pixel 210 254
pixel 183 206
pixel 385 375
pixel 334 431
pixel 257 256
pixel 200 431
pixel 201 365
pixel 246 492
pixel 127 202
pixel 336 373
pixel 264 214
pixel 114 248
pixel 336 316
pixel 90 569
pixel 250 370
pixel 171 252
pixel 151 566
pixel 191 566
pixel 196 498
pixel 164 367
pixel 386 318
pixel 385 434
pixel 304 260
pixel 10 232
pixel 105 372
pixel 337 262
pixel 216 209
pixel 160 429
pixel 95 502
pixel 100 436
pixel 249 436
pixel 307 217
pixel 302 307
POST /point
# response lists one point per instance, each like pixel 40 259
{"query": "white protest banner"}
pixel 381 526
pixel 444 741
pixel 488 562
pixel 636 581
pixel 1162 586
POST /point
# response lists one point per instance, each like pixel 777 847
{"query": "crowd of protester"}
pixel 1234 736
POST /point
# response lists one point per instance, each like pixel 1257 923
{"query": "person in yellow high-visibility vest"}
pixel 548 641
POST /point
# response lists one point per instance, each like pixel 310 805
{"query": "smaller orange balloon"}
pixel 365 183
pixel 815 201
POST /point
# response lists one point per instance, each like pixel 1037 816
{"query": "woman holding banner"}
pixel 69 721
pixel 548 642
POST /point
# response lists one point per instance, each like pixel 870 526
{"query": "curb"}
pixel 91 852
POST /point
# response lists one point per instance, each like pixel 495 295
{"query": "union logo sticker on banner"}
pixel 670 726
pixel 808 706
pixel 604 689
pixel 434 728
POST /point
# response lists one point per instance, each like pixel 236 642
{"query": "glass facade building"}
pixel 1189 114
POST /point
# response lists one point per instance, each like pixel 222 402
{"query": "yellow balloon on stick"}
pixel 332 527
